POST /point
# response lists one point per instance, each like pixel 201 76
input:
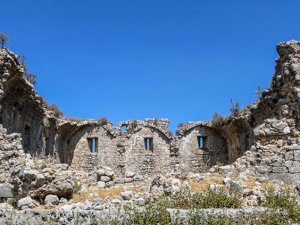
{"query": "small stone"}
pixel 137 178
pixel 109 173
pixel 101 184
pixel 226 180
pixel 286 130
pixel 141 201
pixel 126 195
pixel 109 184
pixel 105 178
pixel 130 174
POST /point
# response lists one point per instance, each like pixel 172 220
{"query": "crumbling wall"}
pixel 264 136
pixel 22 110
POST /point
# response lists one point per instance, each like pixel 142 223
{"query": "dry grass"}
pixel 93 192
pixel 139 189
pixel 204 184
pixel 250 182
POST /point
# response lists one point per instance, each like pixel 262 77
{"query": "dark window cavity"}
pixel 27 138
pixel 93 144
pixel 202 142
pixel 149 144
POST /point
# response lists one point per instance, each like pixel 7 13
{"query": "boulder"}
pixel 27 203
pixel 6 191
pixel 62 185
pixel 226 169
pixel 51 199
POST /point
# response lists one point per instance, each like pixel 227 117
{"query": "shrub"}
pixel 3 40
pixel 27 75
pixel 77 187
pixel 103 121
pixel 170 133
pixel 284 199
pixel 30 77
pixel 133 125
pixel 55 109
pixel 258 92
pixel 234 108
pixel 217 118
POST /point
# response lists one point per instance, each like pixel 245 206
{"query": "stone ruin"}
pixel 262 138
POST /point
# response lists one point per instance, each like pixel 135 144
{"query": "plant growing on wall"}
pixel 217 118
pixel 258 92
pixel 234 108
pixel 3 40
pixel 27 75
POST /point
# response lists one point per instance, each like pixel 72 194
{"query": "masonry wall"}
pixel 195 158
pixel 106 149
pixel 264 135
pixel 141 161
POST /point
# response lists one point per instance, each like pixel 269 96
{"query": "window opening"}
pixel 124 128
pixel 27 138
pixel 93 144
pixel 202 142
pixel 149 144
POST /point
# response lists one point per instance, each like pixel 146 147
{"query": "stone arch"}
pixel 138 160
pixel 195 157
pixel 74 146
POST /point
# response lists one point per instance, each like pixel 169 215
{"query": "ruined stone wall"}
pixel 263 136
pixel 195 158
pixel 141 161
pixel 105 155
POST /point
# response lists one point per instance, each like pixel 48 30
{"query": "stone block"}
pixel 51 199
pixel 297 155
pixel 289 155
pixel 6 191
pixel 279 169
pixel 293 166
pixel 130 174
pixel 101 184
pixel 105 178
pixel 27 202
pixel 126 195
pixel 226 169
pixel 292 147
pixel 263 169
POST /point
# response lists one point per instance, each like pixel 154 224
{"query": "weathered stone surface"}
pixel 6 191
pixel 126 195
pixel 27 202
pixel 51 199
pixel 293 166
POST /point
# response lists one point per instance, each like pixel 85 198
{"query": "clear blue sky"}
pixel 181 60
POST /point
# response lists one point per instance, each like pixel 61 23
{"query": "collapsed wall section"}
pixel 22 110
